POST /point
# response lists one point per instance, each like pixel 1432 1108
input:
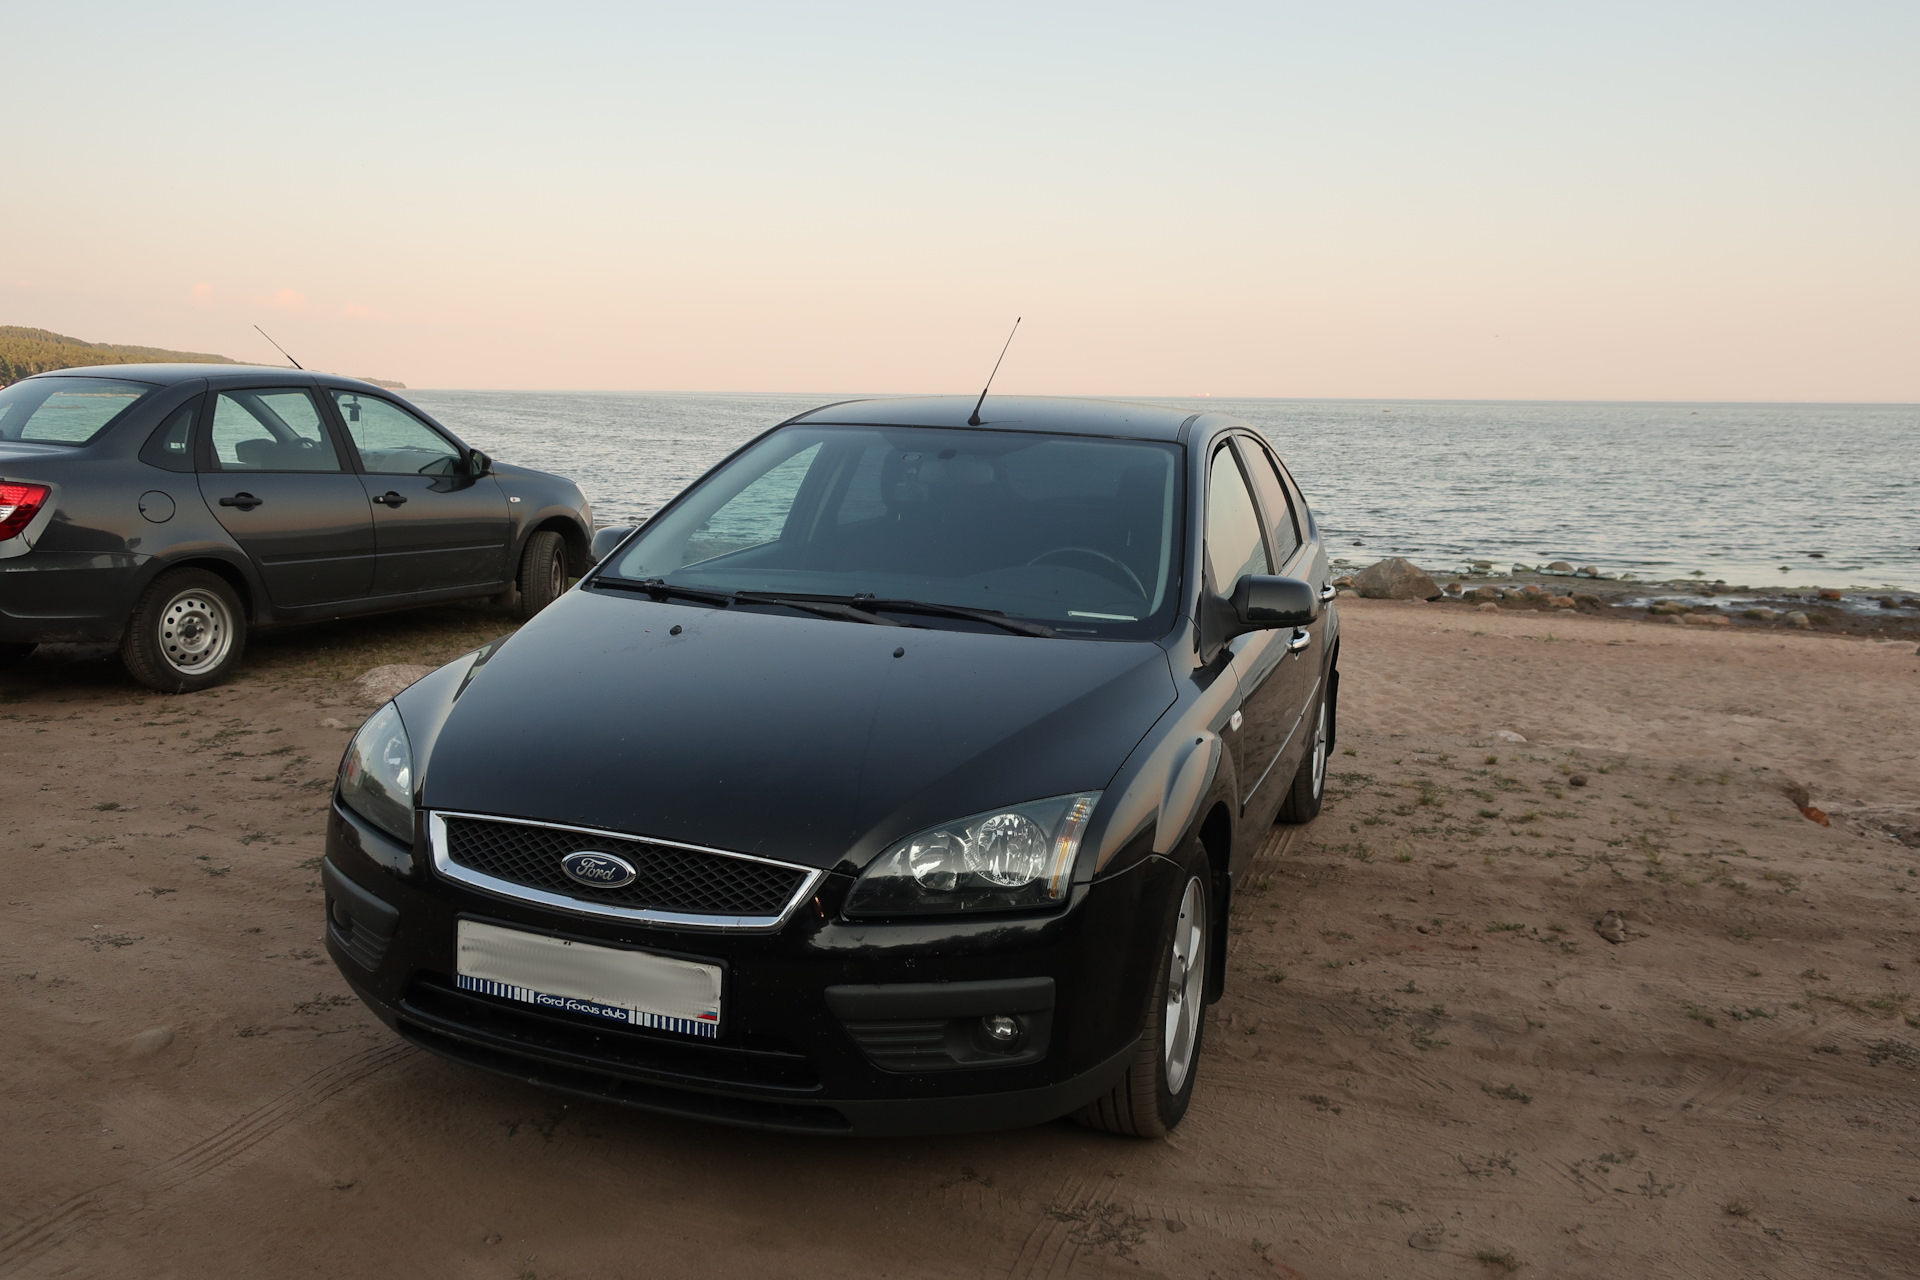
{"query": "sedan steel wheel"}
pixel 1186 977
pixel 195 631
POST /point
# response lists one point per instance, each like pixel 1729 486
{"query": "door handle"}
pixel 244 501
pixel 1299 640
pixel 1328 592
pixel 390 498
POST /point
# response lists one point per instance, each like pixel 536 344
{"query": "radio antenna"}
pixel 277 347
pixel 973 419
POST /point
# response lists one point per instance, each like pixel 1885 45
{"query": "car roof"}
pixel 1010 413
pixel 167 375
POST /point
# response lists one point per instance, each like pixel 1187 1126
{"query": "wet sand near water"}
pixel 1428 1063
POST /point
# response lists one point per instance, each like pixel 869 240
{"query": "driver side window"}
pixel 271 430
pixel 1234 545
pixel 392 442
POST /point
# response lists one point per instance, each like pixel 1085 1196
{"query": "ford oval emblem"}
pixel 598 870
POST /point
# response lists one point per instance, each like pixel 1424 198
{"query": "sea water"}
pixel 1786 495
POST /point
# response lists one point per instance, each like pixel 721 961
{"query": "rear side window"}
pixel 171 444
pixel 271 430
pixel 71 411
pixel 1234 545
pixel 1281 521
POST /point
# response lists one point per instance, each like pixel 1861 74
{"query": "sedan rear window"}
pixel 65 410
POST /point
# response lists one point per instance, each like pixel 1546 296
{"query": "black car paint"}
pixel 316 546
pixel 805 739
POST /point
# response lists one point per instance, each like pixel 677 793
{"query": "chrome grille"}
pixel 673 883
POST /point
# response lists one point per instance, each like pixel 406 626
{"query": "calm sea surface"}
pixel 1767 495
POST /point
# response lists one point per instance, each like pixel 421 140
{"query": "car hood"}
pixel 798 738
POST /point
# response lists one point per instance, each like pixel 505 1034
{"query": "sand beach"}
pixel 1564 979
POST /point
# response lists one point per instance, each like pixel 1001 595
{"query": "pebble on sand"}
pixel 1799 619
pixel 1487 606
pixel 1708 620
pixel 1614 927
pixel 1508 735
pixel 150 1042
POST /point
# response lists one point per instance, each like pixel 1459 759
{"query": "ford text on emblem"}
pixel 598 870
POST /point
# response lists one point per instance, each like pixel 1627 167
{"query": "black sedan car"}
pixel 172 507
pixel 896 777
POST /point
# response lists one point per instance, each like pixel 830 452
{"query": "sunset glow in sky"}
pixel 1623 201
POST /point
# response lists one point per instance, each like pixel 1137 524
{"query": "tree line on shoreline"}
pixel 25 352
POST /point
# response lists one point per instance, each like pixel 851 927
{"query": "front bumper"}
pixel 830 1026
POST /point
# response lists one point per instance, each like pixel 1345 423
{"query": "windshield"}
pixel 64 410
pixel 1078 534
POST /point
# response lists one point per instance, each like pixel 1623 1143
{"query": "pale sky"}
pixel 1609 201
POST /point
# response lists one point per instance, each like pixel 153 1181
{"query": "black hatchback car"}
pixel 896 777
pixel 171 507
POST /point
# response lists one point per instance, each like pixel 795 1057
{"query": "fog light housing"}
pixel 1000 1031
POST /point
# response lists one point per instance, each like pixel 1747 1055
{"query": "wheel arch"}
pixel 1215 833
pixel 219 566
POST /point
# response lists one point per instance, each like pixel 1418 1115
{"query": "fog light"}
pixel 1001 1031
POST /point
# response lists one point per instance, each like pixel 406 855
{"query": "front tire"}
pixel 543 573
pixel 187 632
pixel 1154 1094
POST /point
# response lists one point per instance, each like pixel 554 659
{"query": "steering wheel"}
pixel 1132 577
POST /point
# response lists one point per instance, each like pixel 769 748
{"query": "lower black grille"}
pixel 667 878
pixel 586 1041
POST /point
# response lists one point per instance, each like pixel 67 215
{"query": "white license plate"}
pixel 629 986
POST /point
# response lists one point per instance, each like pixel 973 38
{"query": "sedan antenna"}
pixel 973 419
pixel 282 350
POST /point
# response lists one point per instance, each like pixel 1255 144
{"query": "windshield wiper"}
pixel 992 617
pixel 825 608
pixel 659 588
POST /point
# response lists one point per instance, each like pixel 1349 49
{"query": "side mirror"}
pixel 479 464
pixel 1258 603
pixel 1262 603
pixel 605 540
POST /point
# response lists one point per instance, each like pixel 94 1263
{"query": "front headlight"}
pixel 376 777
pixel 1011 859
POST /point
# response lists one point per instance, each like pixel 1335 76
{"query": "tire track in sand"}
pixel 47 1230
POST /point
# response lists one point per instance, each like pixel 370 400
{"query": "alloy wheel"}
pixel 1186 977
pixel 1320 752
pixel 195 632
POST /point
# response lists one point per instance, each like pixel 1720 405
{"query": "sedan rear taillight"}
pixel 19 504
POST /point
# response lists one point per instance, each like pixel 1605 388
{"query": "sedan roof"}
pixel 167 375
pixel 1010 413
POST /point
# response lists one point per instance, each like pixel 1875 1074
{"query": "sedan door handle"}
pixel 244 501
pixel 390 498
pixel 1299 640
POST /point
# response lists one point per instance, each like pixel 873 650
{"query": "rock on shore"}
pixel 1395 578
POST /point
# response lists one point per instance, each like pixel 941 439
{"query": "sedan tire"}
pixel 543 573
pixel 12 654
pixel 1154 1094
pixel 187 632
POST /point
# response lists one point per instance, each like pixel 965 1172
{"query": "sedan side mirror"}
pixel 1259 603
pixel 479 464
pixel 605 540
